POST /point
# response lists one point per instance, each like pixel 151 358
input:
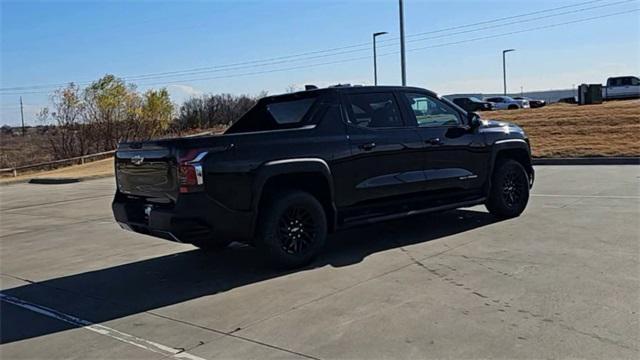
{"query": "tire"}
pixel 513 107
pixel 212 246
pixel 509 192
pixel 292 229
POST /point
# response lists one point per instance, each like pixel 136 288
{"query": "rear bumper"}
pixel 194 218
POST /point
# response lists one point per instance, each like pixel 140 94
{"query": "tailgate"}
pixel 147 171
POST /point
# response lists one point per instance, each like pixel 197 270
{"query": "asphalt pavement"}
pixel 560 281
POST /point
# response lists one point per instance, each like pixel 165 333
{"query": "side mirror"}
pixel 473 120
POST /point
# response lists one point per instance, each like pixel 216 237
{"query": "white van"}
pixel 622 87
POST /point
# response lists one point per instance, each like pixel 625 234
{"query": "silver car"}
pixel 507 103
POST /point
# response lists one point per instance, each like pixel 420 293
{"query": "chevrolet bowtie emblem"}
pixel 137 160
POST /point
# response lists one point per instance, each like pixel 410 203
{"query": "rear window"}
pixel 282 112
pixel 289 112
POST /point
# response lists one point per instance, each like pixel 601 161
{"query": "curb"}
pixel 631 160
pixel 54 181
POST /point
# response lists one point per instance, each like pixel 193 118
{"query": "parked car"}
pixel 473 104
pixel 298 166
pixel 507 102
pixel 623 87
pixel 569 100
pixel 533 103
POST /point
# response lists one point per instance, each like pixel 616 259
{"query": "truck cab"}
pixel 622 87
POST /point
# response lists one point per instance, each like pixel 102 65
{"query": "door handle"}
pixel 434 141
pixel 368 146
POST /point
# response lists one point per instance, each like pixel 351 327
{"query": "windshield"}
pixel 274 113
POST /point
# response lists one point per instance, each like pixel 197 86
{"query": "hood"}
pixel 489 125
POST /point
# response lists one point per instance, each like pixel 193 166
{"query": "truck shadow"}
pixel 129 289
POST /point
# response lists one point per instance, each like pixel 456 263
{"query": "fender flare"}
pixel 505 144
pixel 274 168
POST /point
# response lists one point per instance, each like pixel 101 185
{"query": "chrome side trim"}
pixel 509 140
pixel 294 160
pixel 306 127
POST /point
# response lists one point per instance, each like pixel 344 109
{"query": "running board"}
pixel 375 219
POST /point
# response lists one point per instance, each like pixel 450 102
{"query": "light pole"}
pixel 375 65
pixel 504 69
pixel 402 60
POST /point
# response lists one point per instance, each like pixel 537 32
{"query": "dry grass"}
pixel 565 130
pixel 102 167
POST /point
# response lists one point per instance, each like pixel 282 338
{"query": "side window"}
pixel 375 110
pixel 494 100
pixel 635 81
pixel 431 112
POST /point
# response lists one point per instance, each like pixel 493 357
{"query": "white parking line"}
pixel 588 196
pixel 100 329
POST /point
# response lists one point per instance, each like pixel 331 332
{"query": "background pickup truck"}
pixel 622 87
pixel 299 166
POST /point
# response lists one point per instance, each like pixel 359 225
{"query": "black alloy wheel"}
pixel 513 185
pixel 509 192
pixel 292 228
pixel 296 230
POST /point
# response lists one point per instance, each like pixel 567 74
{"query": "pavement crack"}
pixel 597 337
pixel 113 303
pixel 296 307
pixel 231 334
pixel 18 278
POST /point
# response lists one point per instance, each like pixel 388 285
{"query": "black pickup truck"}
pixel 299 166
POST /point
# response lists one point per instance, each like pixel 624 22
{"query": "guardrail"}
pixel 74 160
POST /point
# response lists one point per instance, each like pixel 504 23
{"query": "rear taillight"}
pixel 190 176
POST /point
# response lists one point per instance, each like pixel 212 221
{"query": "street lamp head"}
pixel 379 33
pixel 508 50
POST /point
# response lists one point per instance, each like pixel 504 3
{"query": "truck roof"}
pixel 357 89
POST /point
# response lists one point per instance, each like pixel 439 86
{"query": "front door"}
pixel 455 157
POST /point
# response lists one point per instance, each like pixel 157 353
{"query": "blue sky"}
pixel 52 42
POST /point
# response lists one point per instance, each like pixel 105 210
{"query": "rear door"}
pixel 455 158
pixel 385 152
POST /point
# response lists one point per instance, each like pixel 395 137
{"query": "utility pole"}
pixel 22 116
pixel 504 69
pixel 375 65
pixel 402 58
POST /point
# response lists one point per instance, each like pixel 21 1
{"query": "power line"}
pixel 336 51
pixel 507 18
pixel 230 68
pixel 524 21
pixel 527 30
pixel 388 53
pixel 396 52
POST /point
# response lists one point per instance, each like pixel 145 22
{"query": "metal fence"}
pixel 74 160
pixel 56 163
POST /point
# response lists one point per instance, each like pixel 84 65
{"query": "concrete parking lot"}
pixel 562 280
